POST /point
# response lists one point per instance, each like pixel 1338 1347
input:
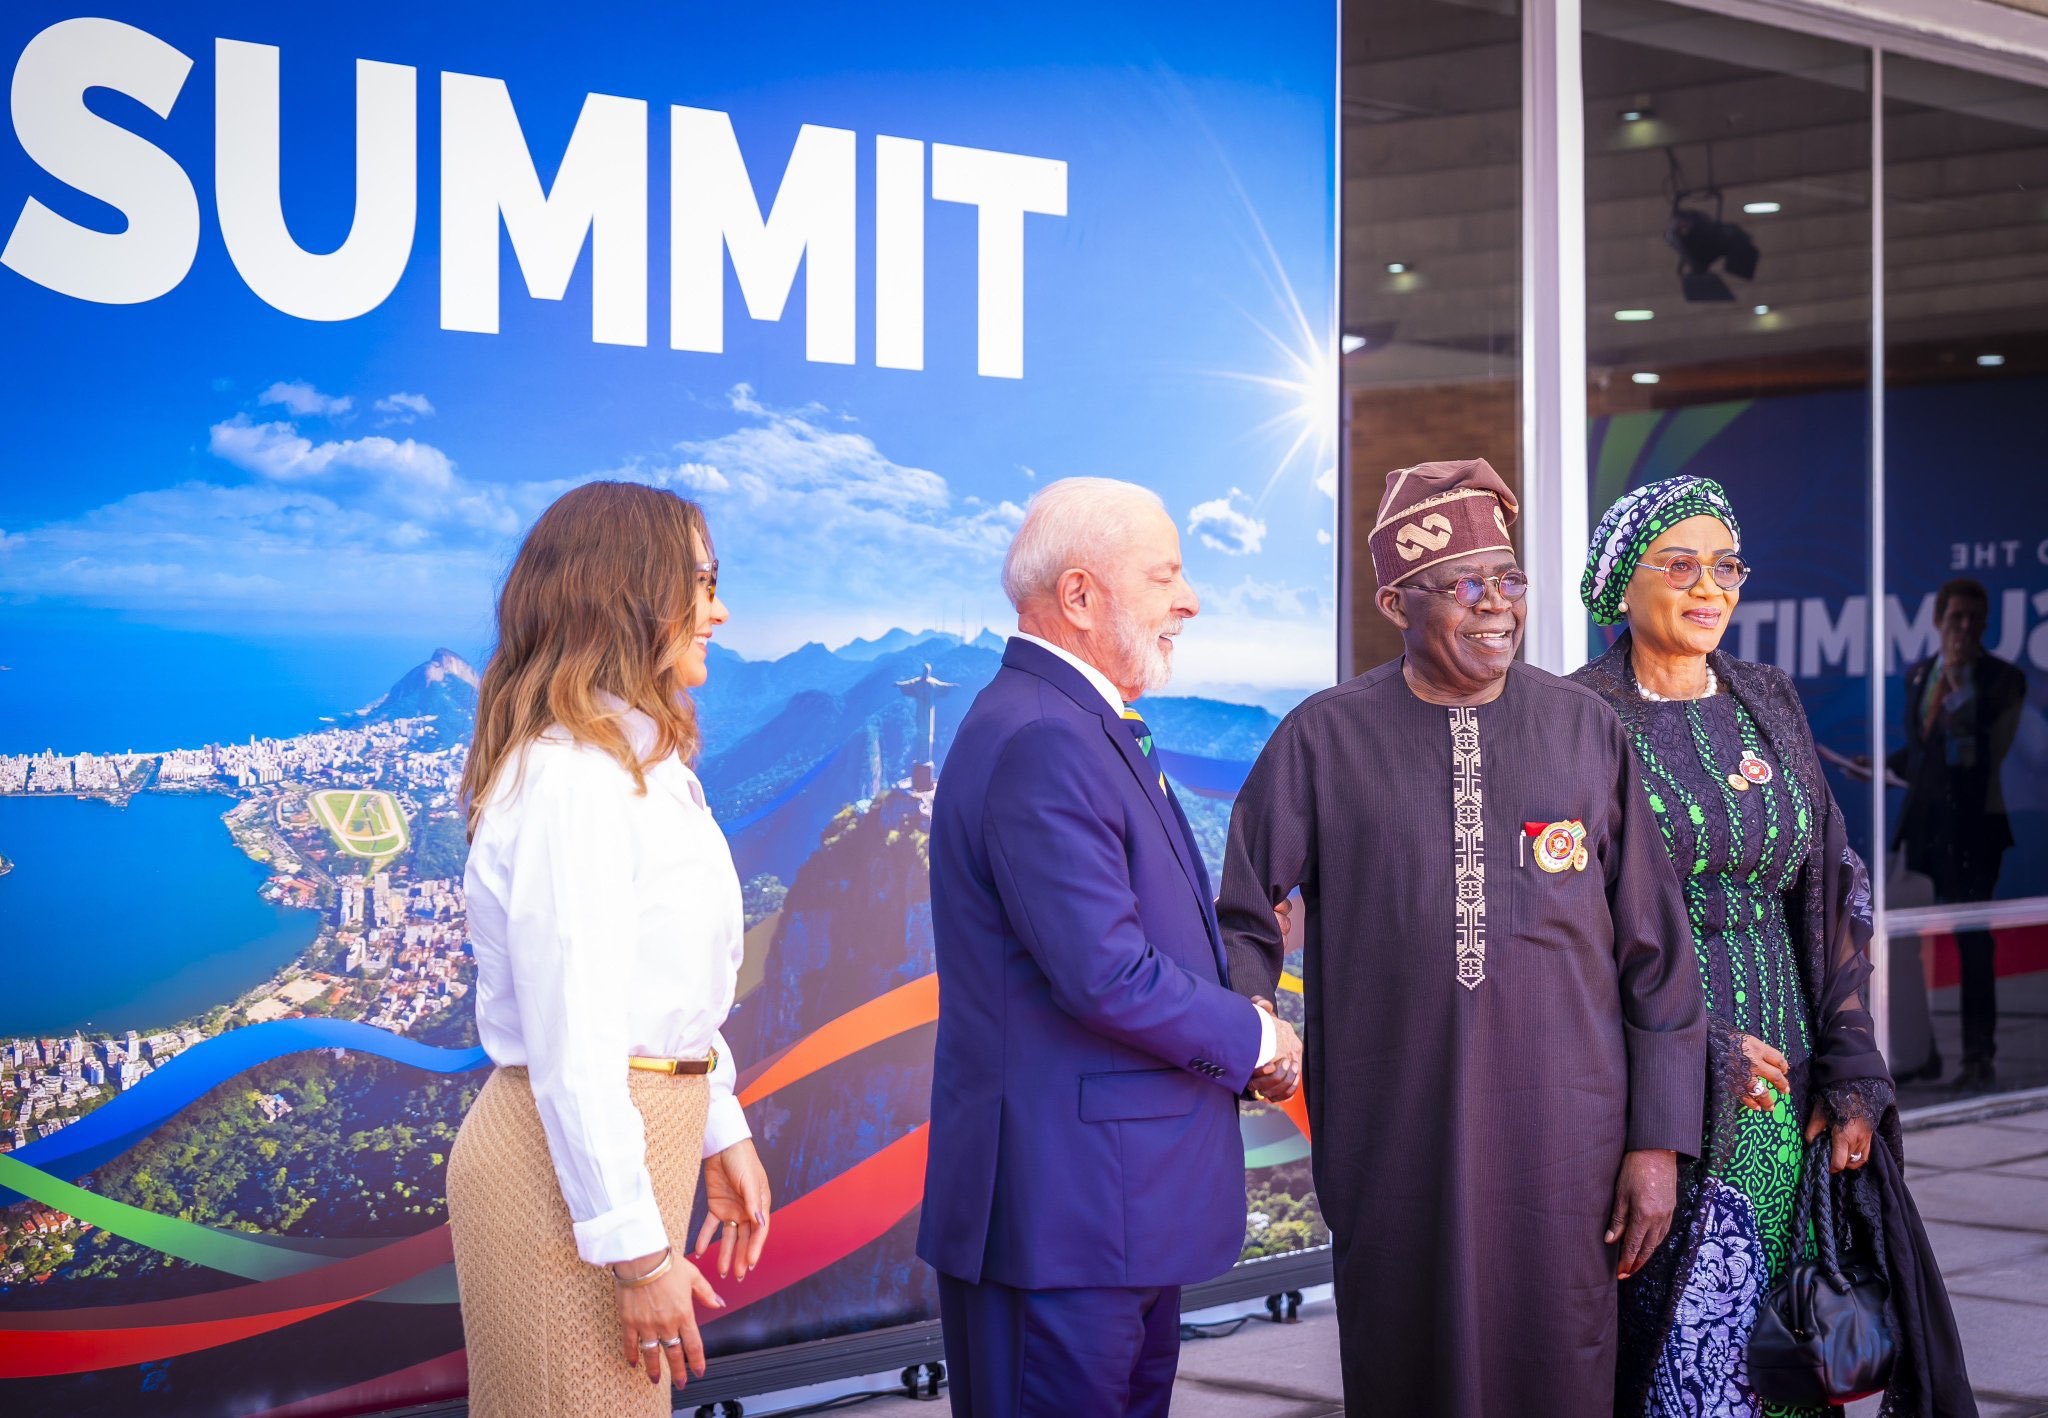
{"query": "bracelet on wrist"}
pixel 661 1268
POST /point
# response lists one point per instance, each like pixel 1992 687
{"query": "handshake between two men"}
pixel 1280 1077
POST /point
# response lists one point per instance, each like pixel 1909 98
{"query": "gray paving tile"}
pixel 2026 1167
pixel 2020 1277
pixel 1968 1145
pixel 1962 1249
pixel 2002 1345
pixel 2018 1203
pixel 2035 1121
pixel 1997 1272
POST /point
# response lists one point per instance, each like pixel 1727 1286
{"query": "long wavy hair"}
pixel 602 599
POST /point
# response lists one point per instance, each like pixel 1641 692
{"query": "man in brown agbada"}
pixel 1505 1031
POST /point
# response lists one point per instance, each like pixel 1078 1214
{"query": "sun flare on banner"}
pixel 1303 378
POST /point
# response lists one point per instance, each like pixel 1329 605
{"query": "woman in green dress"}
pixel 1780 912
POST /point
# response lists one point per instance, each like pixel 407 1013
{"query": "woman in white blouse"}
pixel 605 914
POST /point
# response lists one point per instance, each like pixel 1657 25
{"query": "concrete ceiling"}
pixel 1432 180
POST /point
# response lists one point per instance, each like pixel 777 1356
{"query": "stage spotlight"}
pixel 1701 242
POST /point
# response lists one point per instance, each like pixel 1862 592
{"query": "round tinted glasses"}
pixel 1683 572
pixel 1470 590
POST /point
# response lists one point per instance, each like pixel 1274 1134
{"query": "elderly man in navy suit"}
pixel 1085 1155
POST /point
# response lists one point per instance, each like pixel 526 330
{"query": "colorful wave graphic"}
pixel 105 1133
pixel 295 1279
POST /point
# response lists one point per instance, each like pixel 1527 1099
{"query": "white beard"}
pixel 1147 663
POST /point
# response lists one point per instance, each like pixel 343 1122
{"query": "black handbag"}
pixel 1824 1334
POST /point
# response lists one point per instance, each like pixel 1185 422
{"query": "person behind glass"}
pixel 1779 908
pixel 606 921
pixel 1962 711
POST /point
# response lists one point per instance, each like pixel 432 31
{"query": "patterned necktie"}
pixel 1135 722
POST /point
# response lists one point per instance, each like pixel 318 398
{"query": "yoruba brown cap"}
pixel 1438 512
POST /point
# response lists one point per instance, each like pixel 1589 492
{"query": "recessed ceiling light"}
pixel 1397 268
pixel 1638 109
pixel 1645 377
pixel 1632 316
pixel 1632 115
pixel 1990 361
pixel 1351 344
pixel 1762 209
pixel 1763 310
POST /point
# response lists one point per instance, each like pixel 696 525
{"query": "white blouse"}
pixel 605 924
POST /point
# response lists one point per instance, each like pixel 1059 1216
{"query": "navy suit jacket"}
pixel 1090 1049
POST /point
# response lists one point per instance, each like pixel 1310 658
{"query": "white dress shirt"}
pixel 605 924
pixel 1269 1039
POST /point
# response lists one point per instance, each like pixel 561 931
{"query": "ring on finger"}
pixel 672 1343
pixel 1757 1086
pixel 648 1345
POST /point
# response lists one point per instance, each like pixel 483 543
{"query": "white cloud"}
pixel 1265 651
pixel 404 408
pixel 1031 473
pixel 816 523
pixel 698 477
pixel 1326 483
pixel 302 400
pixel 831 503
pixel 280 452
pixel 1322 537
pixel 1250 597
pixel 259 548
pixel 1221 527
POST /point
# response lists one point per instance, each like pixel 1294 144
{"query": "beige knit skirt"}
pixel 541 1325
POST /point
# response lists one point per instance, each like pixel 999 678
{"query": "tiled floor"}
pixel 2022 1060
pixel 1982 1188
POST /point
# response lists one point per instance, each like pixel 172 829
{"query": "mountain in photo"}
pixel 788 743
pixel 444 686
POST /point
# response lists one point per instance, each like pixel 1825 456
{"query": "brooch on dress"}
pixel 1751 771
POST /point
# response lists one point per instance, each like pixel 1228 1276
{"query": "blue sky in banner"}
pixel 330 500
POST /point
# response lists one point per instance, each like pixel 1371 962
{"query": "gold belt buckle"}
pixel 673 1067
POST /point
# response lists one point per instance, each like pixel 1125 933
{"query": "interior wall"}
pixel 1391 428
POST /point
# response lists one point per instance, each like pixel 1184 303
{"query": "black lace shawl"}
pixel 1828 911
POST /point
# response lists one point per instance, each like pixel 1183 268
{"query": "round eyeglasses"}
pixel 1469 590
pixel 1682 572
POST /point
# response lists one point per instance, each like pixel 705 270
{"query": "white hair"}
pixel 1075 522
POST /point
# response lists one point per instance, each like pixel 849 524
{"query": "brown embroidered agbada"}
pixel 1485 1036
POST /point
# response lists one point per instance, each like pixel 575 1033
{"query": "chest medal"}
pixel 1560 846
pixel 1752 771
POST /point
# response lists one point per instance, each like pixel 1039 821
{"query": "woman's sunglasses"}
pixel 1470 590
pixel 1683 572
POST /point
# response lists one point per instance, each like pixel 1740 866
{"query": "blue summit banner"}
pixel 310 311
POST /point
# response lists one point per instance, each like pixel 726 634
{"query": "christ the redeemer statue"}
pixel 926 689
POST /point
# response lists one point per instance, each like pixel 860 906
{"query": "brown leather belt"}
pixel 674 1066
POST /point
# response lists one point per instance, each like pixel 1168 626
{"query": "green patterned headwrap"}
pixel 1635 521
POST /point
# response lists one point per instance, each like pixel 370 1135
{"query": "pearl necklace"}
pixel 1713 688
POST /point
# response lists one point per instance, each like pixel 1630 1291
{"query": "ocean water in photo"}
pixel 131 917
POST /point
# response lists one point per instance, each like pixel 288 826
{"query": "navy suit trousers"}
pixel 1014 1353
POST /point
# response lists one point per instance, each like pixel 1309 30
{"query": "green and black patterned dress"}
pixel 1739 850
